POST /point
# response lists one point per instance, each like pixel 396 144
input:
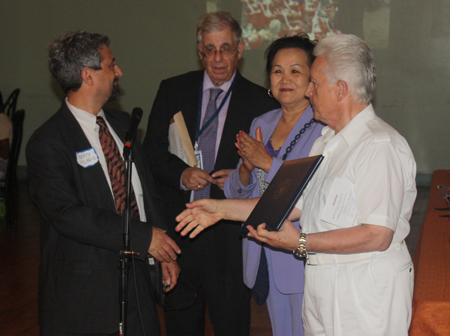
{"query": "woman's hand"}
pixel 198 216
pixel 247 165
pixel 245 172
pixel 253 151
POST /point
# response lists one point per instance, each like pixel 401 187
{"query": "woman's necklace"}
pixel 261 174
pixel 293 142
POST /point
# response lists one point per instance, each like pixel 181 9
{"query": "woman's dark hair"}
pixel 300 41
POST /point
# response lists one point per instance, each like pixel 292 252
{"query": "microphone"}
pixel 130 136
pixel 135 119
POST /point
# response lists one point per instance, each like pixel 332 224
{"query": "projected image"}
pixel 266 20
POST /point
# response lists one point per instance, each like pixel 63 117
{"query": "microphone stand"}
pixel 125 254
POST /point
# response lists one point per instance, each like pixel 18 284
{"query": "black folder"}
pixel 283 193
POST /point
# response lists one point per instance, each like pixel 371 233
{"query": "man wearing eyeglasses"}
pixel 211 266
pixel 76 178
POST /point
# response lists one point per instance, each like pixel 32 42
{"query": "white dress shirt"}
pixel 88 123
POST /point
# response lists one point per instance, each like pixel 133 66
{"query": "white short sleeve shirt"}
pixel 377 160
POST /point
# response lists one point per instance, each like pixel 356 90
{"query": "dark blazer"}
pixel 217 249
pixel 81 234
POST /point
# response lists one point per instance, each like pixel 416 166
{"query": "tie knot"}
pixel 214 93
pixel 101 121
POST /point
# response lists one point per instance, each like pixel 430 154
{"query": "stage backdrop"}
pixel 155 39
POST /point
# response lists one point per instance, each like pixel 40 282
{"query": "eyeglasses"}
pixel 225 51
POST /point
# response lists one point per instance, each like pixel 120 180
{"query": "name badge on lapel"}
pixel 198 155
pixel 87 158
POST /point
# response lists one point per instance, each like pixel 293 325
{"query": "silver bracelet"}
pixel 300 251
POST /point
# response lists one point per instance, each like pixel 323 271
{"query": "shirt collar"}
pixel 352 131
pixel 84 118
pixel 208 84
pixel 327 133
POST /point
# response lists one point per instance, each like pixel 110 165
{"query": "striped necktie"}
pixel 116 171
pixel 207 141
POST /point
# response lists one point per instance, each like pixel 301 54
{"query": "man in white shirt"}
pixel 76 174
pixel 359 274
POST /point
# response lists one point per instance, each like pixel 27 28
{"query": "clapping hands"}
pixel 253 151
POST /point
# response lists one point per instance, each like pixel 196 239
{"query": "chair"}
pixel 11 103
pixel 10 183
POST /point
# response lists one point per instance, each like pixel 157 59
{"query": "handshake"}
pixel 204 213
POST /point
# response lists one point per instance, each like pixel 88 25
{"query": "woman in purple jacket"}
pixel 276 136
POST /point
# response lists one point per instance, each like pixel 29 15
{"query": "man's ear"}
pixel 343 90
pixel 199 49
pixel 86 75
pixel 240 49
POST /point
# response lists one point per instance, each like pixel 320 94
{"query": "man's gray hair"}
pixel 219 21
pixel 70 54
pixel 349 59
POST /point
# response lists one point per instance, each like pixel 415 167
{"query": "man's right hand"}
pixel 195 178
pixel 162 247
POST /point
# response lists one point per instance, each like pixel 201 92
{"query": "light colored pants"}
pixel 368 297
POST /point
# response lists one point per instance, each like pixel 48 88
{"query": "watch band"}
pixel 300 251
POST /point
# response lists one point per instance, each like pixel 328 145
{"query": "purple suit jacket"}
pixel 288 271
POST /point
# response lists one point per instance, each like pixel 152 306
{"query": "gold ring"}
pixel 199 186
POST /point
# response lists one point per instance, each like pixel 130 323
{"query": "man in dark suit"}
pixel 211 265
pixel 71 181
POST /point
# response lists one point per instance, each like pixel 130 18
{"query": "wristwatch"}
pixel 300 251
